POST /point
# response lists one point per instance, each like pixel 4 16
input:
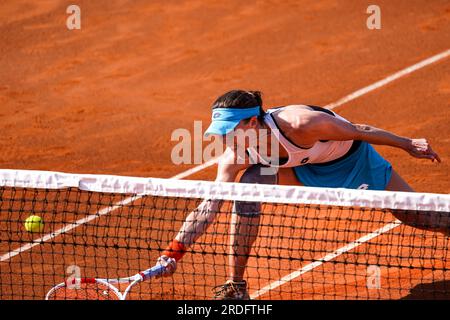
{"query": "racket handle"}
pixel 152 272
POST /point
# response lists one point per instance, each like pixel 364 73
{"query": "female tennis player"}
pixel 316 147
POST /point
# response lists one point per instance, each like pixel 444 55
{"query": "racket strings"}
pixel 85 291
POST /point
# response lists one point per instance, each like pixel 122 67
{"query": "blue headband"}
pixel 224 120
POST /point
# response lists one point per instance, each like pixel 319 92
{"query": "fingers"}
pixel 434 155
pixel 423 156
pixel 437 158
pixel 169 264
pixel 431 154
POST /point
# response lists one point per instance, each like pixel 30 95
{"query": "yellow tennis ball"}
pixel 34 224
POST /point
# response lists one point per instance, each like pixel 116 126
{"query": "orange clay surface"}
pixel 106 98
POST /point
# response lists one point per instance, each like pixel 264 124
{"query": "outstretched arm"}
pixel 326 127
pixel 194 226
pixel 419 148
pixel 198 221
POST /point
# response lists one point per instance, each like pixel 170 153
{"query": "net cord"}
pixel 226 190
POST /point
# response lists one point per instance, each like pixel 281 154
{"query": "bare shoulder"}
pixel 295 116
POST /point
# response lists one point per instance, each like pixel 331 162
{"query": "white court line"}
pixel 388 79
pixel 100 213
pixel 195 169
pixel 324 259
pixel 387 227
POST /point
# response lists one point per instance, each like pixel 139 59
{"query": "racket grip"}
pixel 152 272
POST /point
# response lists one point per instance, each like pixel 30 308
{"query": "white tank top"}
pixel 320 152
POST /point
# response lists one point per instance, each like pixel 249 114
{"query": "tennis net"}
pixel 312 243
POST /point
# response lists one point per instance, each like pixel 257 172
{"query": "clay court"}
pixel 105 100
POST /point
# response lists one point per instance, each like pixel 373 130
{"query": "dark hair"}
pixel 240 99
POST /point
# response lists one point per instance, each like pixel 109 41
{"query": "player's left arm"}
pixel 327 127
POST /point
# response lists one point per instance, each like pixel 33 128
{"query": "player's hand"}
pixel 420 148
pixel 169 264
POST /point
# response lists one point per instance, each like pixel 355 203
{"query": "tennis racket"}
pixel 100 289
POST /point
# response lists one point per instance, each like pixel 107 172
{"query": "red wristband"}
pixel 175 250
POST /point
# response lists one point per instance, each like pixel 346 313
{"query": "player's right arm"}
pixel 198 221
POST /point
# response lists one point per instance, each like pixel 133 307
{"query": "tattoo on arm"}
pixel 379 136
pixel 363 127
pixel 198 221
